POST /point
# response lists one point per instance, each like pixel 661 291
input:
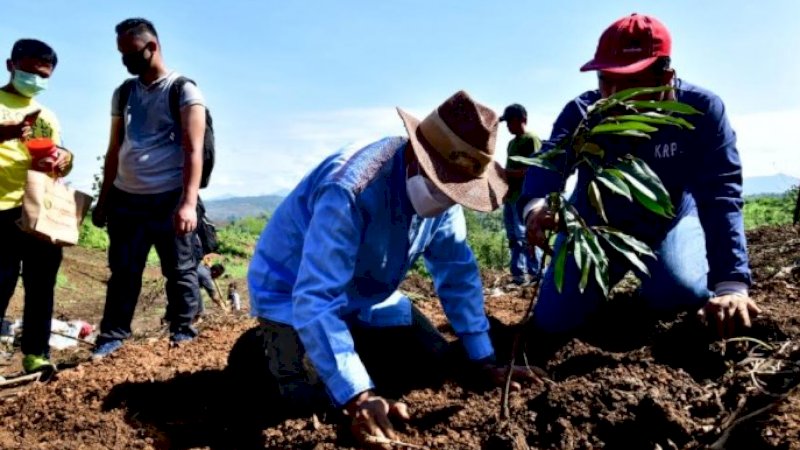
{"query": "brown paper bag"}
pixel 53 211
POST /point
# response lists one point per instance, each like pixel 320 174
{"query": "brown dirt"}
pixel 635 382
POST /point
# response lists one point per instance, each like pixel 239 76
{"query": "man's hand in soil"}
pixel 370 415
pixel 726 312
pixel 497 375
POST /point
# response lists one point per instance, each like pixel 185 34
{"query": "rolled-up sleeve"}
pixel 329 255
pixel 450 260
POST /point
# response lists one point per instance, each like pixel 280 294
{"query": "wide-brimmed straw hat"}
pixel 455 148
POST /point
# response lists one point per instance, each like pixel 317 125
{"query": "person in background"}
pixel 524 259
pixel 149 195
pixel 207 273
pixel 31 65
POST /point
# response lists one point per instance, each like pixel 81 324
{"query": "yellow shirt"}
pixel 14 158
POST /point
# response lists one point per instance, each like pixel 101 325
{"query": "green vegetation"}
pixel 92 237
pixel 485 233
pixel 487 237
pixel 62 282
pixel 239 237
pixel 763 210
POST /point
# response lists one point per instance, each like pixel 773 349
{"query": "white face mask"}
pixel 427 200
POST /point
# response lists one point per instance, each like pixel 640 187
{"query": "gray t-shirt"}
pixel 151 156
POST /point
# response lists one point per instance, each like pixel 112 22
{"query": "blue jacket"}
pixel 337 248
pixel 700 169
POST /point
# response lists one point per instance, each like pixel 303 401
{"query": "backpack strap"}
pixel 175 97
pixel 123 94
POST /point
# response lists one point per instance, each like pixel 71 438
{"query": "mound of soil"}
pixel 630 380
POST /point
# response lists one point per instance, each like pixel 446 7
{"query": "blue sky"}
pixel 290 82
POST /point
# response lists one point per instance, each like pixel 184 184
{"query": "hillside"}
pixel 228 209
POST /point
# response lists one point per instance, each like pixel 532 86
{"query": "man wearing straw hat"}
pixel 323 280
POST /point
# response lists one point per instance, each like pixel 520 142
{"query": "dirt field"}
pixel 636 382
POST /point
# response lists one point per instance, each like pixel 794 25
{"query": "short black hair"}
pixel 661 64
pixel 35 49
pixel 136 26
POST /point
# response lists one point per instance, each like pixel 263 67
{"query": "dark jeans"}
pixel 40 261
pixel 397 359
pixel 137 222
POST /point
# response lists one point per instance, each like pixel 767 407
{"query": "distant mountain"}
pixel 770 184
pixel 227 209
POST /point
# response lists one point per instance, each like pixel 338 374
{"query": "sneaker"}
pixel 38 363
pixel 181 337
pixel 106 348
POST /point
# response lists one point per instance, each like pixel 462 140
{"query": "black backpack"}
pixel 175 110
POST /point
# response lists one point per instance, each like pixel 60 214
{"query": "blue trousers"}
pixel 523 261
pixel 678 280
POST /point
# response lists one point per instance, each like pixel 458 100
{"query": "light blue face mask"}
pixel 28 84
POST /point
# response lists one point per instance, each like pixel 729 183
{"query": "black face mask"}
pixel 136 63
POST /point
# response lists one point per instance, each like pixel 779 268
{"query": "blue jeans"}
pixel 677 281
pixel 523 261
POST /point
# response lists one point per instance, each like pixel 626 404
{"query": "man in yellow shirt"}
pixel 21 117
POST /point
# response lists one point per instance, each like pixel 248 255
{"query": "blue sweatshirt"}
pixel 336 250
pixel 700 169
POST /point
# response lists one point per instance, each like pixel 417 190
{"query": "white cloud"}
pixel 766 142
pixel 292 145
pixel 284 150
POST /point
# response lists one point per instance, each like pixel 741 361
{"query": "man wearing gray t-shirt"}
pixel 149 195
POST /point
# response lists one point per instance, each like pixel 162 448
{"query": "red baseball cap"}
pixel 630 45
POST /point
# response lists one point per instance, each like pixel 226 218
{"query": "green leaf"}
pixel 622 248
pixel 570 215
pixel 560 262
pixel 600 260
pixel 642 189
pixel 614 184
pixel 637 245
pixel 639 169
pixel 592 149
pixel 601 105
pixel 618 127
pixel 597 201
pixel 656 118
pixel 633 133
pixel 628 94
pixel 578 251
pixel 641 192
pixel 667 105
pixel 551 154
pixel 582 258
pixel 650 204
pixel 535 161
pixel 636 185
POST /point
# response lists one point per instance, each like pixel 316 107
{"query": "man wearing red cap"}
pixel 702 261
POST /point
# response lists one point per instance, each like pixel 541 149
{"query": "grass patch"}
pixel 62 281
